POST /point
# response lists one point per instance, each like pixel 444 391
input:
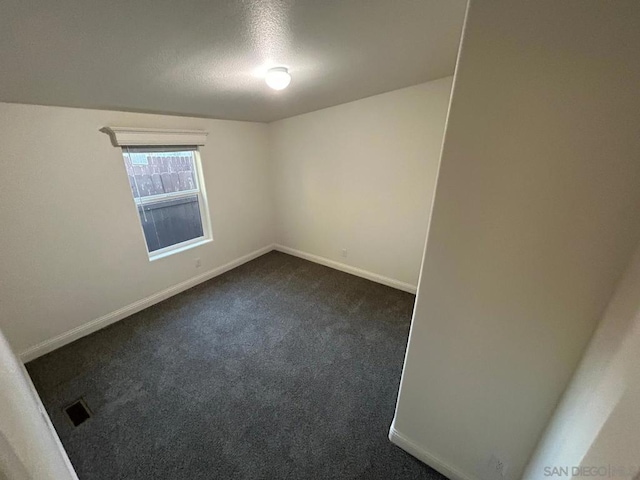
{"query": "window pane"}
pixel 157 173
pixel 168 222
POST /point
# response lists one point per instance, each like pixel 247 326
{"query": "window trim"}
pixel 177 248
pixel 155 137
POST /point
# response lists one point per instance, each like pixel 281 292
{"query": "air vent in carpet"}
pixel 78 412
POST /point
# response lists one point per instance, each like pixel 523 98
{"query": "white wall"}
pixel 534 220
pixel 360 176
pixel 597 424
pixel 72 246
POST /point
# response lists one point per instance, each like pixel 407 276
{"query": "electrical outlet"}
pixel 198 263
pixel 497 467
pixel 344 252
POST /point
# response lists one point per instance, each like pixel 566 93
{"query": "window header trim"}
pixel 164 149
pixel 144 137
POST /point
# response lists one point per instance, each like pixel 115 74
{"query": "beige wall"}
pixel 534 220
pixel 360 176
pixel 72 245
pixel 597 423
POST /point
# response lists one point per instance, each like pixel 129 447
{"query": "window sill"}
pixel 178 249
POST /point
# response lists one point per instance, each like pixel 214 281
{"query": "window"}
pixel 165 175
pixel 166 184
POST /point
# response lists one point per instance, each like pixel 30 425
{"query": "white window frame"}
pixel 155 140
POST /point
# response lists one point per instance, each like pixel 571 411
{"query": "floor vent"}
pixel 78 412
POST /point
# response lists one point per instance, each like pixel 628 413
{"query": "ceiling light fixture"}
pixel 278 78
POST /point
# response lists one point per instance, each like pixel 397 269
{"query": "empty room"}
pixel 287 239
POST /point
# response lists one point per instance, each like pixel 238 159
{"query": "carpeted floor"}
pixel 278 369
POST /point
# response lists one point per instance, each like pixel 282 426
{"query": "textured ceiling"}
pixel 208 57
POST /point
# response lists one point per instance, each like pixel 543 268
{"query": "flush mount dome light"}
pixel 278 78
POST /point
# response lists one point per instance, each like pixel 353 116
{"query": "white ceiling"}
pixel 208 57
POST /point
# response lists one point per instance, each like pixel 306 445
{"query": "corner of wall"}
pixel 422 454
pixel 272 180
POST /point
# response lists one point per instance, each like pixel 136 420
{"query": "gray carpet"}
pixel 278 369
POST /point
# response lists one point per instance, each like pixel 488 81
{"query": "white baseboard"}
pixel 423 455
pixel 94 325
pixel 390 282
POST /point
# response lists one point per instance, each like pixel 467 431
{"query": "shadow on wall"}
pixel 593 425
